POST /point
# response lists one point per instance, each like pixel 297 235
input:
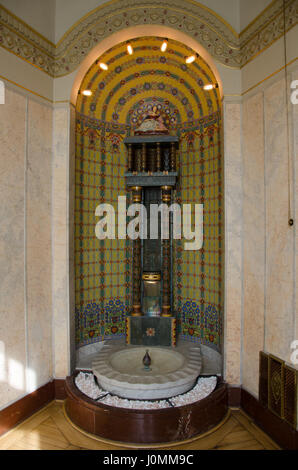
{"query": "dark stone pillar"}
pixel 166 261
pixel 136 264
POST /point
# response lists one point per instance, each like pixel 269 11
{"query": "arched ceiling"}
pixel 147 79
pixel 211 31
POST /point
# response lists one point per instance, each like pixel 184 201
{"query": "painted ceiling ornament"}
pixel 209 29
pixel 152 124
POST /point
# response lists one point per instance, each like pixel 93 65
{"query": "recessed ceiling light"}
pixel 103 66
pixel 191 58
pixel 208 87
pixel 164 45
pixel 87 92
pixel 129 49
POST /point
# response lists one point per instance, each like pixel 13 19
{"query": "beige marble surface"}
pixel 253 240
pixel 72 151
pixel 294 119
pixel 60 240
pixel 27 329
pixel 233 243
pixel 279 237
pixel 25 246
pixel 12 281
pixel 38 242
pixel 294 109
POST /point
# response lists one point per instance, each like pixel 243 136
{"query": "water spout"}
pixel 147 361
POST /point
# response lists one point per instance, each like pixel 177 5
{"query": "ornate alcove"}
pixel 121 96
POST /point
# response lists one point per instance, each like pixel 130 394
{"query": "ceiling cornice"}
pixel 190 17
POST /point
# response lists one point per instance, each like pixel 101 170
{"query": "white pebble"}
pixel 86 384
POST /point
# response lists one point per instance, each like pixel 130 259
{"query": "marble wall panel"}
pixel 279 236
pixel 294 120
pixel 253 240
pixel 71 239
pixel 12 281
pixel 60 240
pixel 38 242
pixel 233 242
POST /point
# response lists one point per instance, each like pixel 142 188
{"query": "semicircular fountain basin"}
pixel 120 371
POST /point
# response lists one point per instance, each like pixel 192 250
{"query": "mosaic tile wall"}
pixel 121 97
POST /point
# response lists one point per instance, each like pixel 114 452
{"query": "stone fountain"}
pixel 151 325
pixel 120 370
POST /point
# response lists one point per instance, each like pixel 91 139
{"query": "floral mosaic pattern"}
pixel 200 323
pixel 121 98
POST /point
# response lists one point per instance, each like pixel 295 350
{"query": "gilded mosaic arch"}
pixel 192 18
pixel 121 98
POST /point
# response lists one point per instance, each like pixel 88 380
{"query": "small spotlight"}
pixel 164 45
pixel 191 58
pixel 103 66
pixel 210 86
pixel 87 92
pixel 129 49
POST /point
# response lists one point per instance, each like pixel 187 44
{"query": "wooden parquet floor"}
pixel 50 430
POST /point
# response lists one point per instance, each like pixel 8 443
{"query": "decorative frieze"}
pixel 198 22
pixel 267 28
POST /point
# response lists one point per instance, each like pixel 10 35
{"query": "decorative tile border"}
pixel 197 21
pixel 17 37
pixel 267 28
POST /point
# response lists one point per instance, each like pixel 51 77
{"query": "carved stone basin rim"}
pixel 120 371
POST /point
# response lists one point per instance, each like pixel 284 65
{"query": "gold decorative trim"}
pixel 267 29
pixel 27 26
pixel 27 89
pixel 2 77
pixel 194 19
pixel 127 329
pixel 194 2
pixel 191 19
pixel 26 43
pixel 269 76
pixel 253 22
pixel 26 60
pixel 151 277
pixel 219 17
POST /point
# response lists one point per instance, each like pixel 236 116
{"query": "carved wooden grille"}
pixel 278 388
pixel 290 395
pixel 263 379
pixel 275 386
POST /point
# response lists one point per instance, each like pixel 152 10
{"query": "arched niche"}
pixel 119 96
pixel 130 33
